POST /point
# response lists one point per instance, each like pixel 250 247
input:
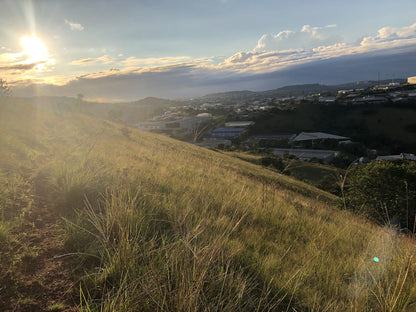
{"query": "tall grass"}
pixel 156 224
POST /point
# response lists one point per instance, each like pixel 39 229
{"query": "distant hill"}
pixel 153 101
pixel 127 112
pixel 294 90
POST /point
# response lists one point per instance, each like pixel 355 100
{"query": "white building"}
pixel 411 80
pixel 238 124
pixel 309 136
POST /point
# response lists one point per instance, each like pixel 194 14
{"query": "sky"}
pixel 127 50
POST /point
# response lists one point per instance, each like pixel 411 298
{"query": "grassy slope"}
pixel 157 224
pixel 322 176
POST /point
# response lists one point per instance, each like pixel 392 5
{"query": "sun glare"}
pixel 35 49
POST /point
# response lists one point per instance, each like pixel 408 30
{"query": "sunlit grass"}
pixel 154 224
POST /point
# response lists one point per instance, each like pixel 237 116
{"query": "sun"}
pixel 35 49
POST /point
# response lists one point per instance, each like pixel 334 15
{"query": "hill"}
pixel 294 90
pixel 126 112
pixel 96 216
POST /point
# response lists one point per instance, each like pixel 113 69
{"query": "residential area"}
pixel 266 123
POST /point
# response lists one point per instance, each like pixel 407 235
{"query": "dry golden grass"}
pixel 158 224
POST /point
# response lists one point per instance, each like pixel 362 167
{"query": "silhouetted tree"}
pixel 4 88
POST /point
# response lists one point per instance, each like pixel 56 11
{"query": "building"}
pixel 191 123
pixel 411 80
pixel 276 137
pixel 306 154
pixel 310 136
pixel 369 100
pixel 228 133
pixel 271 140
pixel 326 100
pixel 239 124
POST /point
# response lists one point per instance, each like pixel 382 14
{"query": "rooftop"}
pixel 307 136
pixel 239 124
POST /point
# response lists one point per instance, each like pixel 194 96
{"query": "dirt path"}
pixel 38 278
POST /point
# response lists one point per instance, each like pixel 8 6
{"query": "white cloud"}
pixel 289 48
pixel 396 36
pixel 74 26
pixel 105 59
pixel 394 33
pixel 308 37
pixel 184 76
pixel 151 61
pixel 24 65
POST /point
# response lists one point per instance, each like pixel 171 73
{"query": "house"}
pixel 310 136
pixel 306 154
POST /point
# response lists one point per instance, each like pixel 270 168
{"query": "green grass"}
pixel 154 224
pixel 325 177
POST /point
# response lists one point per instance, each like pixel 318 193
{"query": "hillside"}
pixel 294 90
pixel 96 216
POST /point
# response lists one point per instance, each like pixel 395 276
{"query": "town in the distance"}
pixel 337 125
pixel 341 124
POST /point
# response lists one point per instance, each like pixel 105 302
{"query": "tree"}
pixel 384 190
pixel 80 98
pixel 4 89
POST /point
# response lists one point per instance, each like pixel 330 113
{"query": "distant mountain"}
pixel 294 90
pixel 158 102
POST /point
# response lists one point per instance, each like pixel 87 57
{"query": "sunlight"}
pixel 35 49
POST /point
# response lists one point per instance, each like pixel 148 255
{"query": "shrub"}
pixel 384 190
pixel 274 162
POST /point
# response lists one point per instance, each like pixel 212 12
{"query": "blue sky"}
pixel 126 50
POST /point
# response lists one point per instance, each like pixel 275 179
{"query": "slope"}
pixel 141 222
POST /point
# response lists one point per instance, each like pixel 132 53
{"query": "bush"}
pixel 274 162
pixel 384 190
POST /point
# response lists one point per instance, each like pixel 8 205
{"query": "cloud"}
pixel 396 36
pixel 308 37
pixel 394 33
pixel 324 61
pixel 21 66
pixel 387 40
pixel 74 26
pixel 151 61
pixel 105 59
